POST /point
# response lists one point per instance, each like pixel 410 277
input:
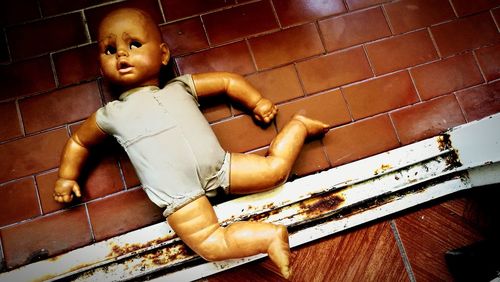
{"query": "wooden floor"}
pixel 409 246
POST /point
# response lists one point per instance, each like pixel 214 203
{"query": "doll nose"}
pixel 121 53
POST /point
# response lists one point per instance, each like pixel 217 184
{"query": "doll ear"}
pixel 165 54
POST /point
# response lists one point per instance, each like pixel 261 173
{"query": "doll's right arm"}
pixel 73 158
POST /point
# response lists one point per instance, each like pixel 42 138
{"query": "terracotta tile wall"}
pixel 382 73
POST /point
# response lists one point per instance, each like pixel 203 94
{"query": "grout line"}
pixel 3 265
pixel 54 73
pixel 53 52
pixel 162 12
pixel 113 194
pixel 9 53
pixel 45 18
pixel 10 181
pixel 122 175
pixel 414 84
pixel 372 68
pixel 321 37
pixel 44 172
pixel 37 193
pixel 86 27
pixel 302 86
pixel 343 125
pixel 325 152
pixel 402 252
pixel 494 20
pixel 39 217
pixel 254 61
pixel 297 99
pixel 276 18
pixel 213 11
pixel 20 117
pixel 175 67
pixel 40 13
pixel 476 59
pixel 453 8
pixel 461 108
pixel 89 222
pixel 434 43
pixel 210 45
pixel 387 19
pixel 394 127
pixel 346 6
pixel 346 103
pixel 109 3
pixel 490 82
pixel 235 40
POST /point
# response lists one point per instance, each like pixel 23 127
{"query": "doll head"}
pixel 131 50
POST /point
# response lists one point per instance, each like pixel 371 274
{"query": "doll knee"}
pixel 208 255
pixel 280 170
pixel 212 248
pixel 205 253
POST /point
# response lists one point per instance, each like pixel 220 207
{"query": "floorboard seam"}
pixel 402 251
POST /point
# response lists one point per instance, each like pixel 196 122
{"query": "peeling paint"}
pixel 452 161
pixel 318 206
pixel 118 251
pixel 167 255
pixel 383 168
pixel 444 142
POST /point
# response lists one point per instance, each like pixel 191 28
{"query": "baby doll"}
pixel 175 153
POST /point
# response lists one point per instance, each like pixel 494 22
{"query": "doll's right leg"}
pixel 197 226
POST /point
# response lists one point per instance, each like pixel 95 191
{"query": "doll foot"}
pixel 313 127
pixel 279 251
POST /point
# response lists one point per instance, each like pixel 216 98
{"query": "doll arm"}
pixel 238 89
pixel 74 155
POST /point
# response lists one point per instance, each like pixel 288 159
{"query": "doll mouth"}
pixel 124 67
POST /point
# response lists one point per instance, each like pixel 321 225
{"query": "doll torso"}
pixel 169 142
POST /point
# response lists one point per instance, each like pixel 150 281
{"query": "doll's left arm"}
pixel 238 89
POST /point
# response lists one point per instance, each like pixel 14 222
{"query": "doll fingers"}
pixel 60 198
pixel 57 198
pixel 63 198
pixel 268 119
pixel 270 116
pixel 67 198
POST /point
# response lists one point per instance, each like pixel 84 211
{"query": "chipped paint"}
pixel 444 142
pixel 383 168
pixel 118 251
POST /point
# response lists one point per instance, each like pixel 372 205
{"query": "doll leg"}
pixel 252 173
pixel 198 227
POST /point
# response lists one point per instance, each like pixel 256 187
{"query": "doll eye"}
pixel 110 50
pixel 135 44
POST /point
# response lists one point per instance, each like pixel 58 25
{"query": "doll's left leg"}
pixel 252 173
pixel 197 226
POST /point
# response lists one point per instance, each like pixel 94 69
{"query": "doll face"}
pixel 131 51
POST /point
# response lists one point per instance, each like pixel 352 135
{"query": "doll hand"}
pixel 63 190
pixel 265 110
